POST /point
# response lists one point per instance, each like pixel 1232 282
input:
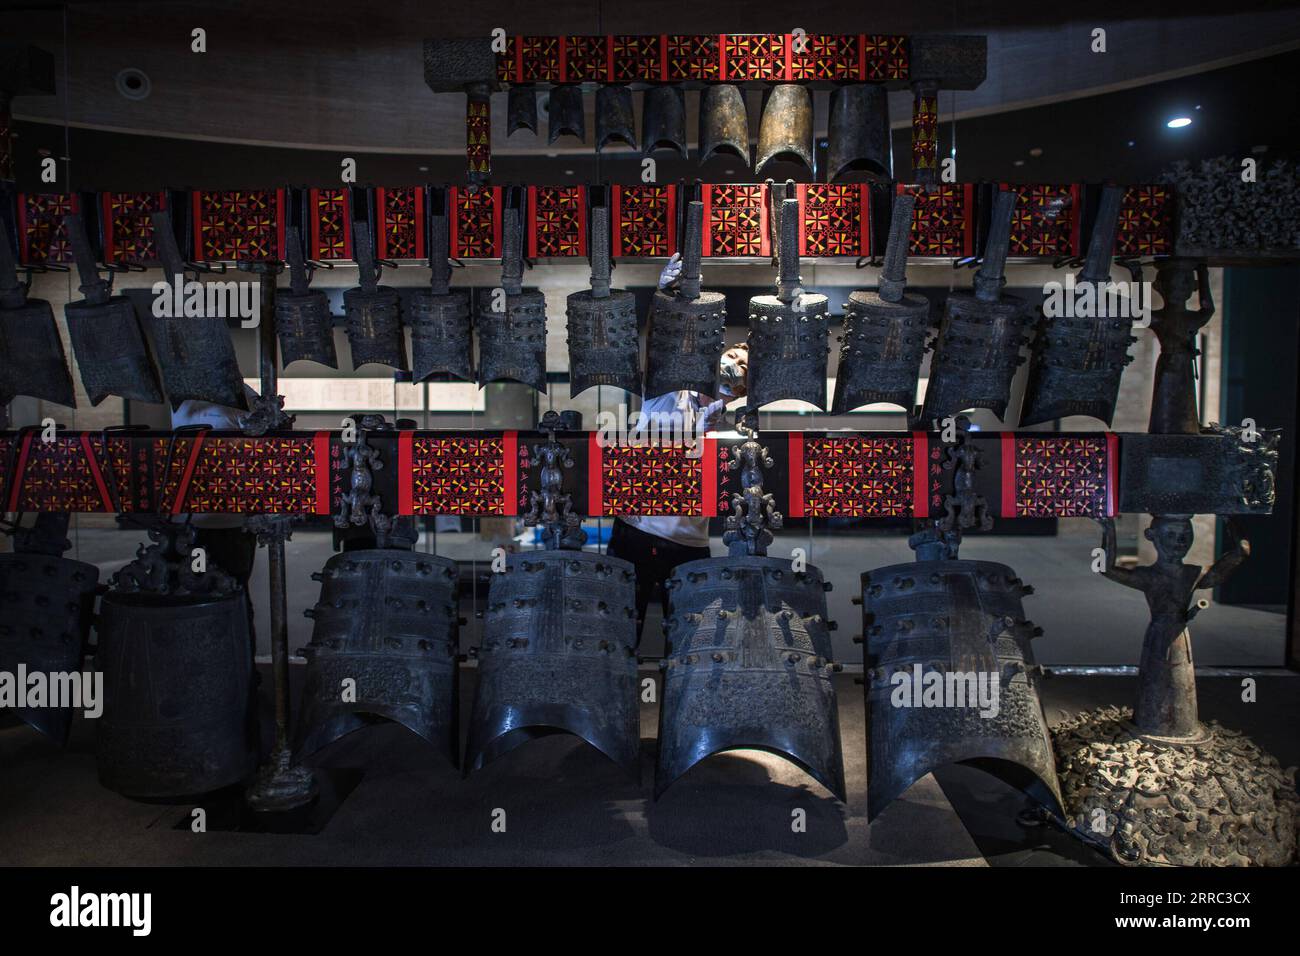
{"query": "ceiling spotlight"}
pixel 1178 122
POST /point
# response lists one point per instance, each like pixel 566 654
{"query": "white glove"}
pixel 711 415
pixel 672 270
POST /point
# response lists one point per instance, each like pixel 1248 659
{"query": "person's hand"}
pixel 712 416
pixel 672 270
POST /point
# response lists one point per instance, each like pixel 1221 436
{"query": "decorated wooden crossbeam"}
pixel 668 64
pixel 703 58
pixel 482 473
pixel 836 220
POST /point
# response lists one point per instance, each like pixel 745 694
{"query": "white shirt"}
pixel 220 417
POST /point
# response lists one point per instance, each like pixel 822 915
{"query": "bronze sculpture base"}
pixel 1216 799
pixel 280 786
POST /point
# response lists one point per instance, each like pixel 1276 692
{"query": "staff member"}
pixel 655 544
pixel 222 536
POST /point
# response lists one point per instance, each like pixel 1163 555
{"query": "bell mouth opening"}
pixel 334 728
pixel 1013 774
pixel 872 169
pixel 623 139
pixel 835 788
pixel 725 150
pixel 512 739
pixel 662 145
pixel 787 156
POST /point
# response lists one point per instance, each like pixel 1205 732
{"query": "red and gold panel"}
pixel 238 225
pixel 735 220
pixel 824 56
pixel 459 476
pixel 755 56
pixel 71 473
pixel 42 234
pixel 557 221
pixel 941 220
pixel 331 232
pixel 128 228
pixel 834 220
pixel 645 220
pixel 232 475
pixel 586 58
pixel 636 58
pixel 540 60
pixel 1045 221
pixel 401 222
pixel 925 133
pixel 1146 222
pixel 651 480
pixel 857 476
pixel 694 57
pixel 884 57
pixel 508 61
pixel 476 223
pixel 1058 476
pixel 478 138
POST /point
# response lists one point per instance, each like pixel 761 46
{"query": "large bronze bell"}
pixel 663 120
pixel 858 131
pixel 603 345
pixel 558 656
pixel 788 331
pixel 194 352
pixel 179 709
pixel 1077 361
pixel 46 605
pixel 786 129
pixel 749 661
pixel 724 122
pixel 565 113
pixel 109 345
pixel 521 109
pixel 374 311
pixel 614 120
pixel 685 337
pixel 951 678
pixel 440 325
pixel 303 323
pixel 977 350
pixel 512 327
pixel 885 332
pixel 32 360
pixel 386 621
